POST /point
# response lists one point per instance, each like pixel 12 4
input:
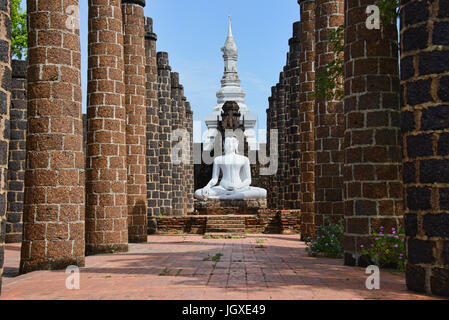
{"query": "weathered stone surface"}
pixel 165 128
pixel 244 220
pixel 136 117
pixel 17 152
pixel 426 156
pixel 5 94
pixel 373 164
pixel 54 206
pixel 152 121
pixel 329 121
pixel 107 211
pixel 217 204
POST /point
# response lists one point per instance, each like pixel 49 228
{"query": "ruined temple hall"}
pixel 114 170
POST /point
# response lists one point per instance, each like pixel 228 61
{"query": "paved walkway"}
pixel 260 267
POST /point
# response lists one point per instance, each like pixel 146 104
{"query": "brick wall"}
pixel 54 208
pixel 372 172
pixel 425 126
pixel 5 98
pixel 329 121
pixel 107 212
pixel 17 152
pixel 135 99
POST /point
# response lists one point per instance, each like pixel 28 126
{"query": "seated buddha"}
pixel 236 181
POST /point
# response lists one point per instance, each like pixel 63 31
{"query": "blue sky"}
pixel 192 32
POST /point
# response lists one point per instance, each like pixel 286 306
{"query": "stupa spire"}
pixel 231 91
pixel 230 48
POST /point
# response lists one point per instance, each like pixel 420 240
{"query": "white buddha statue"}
pixel 236 181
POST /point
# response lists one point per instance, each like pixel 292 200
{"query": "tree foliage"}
pixel 19 37
pixel 389 11
pixel 329 82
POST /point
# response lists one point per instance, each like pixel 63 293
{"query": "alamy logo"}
pixel 373 281
pixel 73 20
pixel 373 20
pixel 73 280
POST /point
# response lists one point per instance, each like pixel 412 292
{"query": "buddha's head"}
pixel 231 145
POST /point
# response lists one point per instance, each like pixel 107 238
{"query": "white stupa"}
pixel 231 91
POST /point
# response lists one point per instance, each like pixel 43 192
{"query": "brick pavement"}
pixel 180 267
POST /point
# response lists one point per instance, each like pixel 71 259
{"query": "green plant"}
pixel 386 250
pixel 215 258
pixel 328 240
pixel 329 82
pixel 19 35
pixel 260 243
pixel 165 272
pixel 389 11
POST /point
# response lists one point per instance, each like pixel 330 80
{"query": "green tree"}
pixel 19 37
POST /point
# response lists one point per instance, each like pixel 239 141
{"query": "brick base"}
pixel 263 221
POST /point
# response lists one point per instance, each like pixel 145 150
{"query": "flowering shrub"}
pixel 328 240
pixel 387 250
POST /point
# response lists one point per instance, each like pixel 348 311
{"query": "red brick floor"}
pixel 177 268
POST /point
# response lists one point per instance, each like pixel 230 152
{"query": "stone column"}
pixel 134 55
pixel 107 212
pixel 294 154
pixel 186 145
pixel 283 175
pixel 306 117
pixel 17 152
pixel 373 162
pixel 152 153
pixel 177 168
pixel 54 207
pixel 329 121
pixel 5 100
pixel 165 128
pixel 189 167
pixel 272 124
pixel 425 126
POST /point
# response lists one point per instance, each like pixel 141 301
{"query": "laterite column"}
pixel 283 174
pixel 135 94
pixel 54 207
pixel 373 155
pixel 329 121
pixel 189 181
pixel 17 152
pixel 294 155
pixel 272 124
pixel 5 98
pixel 177 168
pixel 425 126
pixel 107 212
pixel 165 128
pixel 306 116
pixel 152 129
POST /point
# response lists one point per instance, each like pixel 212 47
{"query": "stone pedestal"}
pixel 229 207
